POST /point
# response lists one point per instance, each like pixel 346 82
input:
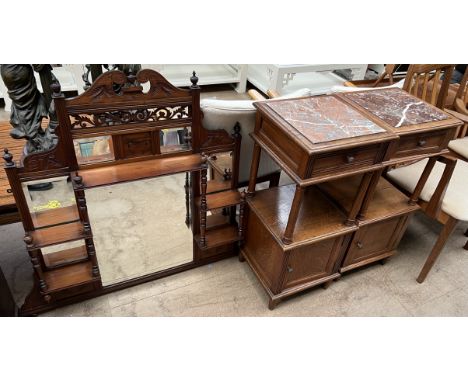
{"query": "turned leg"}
pixel 295 207
pixel 422 181
pixel 254 170
pixel 374 181
pixel 439 245
pixel 359 198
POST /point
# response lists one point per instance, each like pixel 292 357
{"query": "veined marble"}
pixel 324 119
pixel 396 107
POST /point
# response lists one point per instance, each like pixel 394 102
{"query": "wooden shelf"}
pixel 68 277
pixel 214 186
pixel 65 257
pixel 221 199
pixel 318 218
pixel 151 168
pixel 55 216
pixel 216 221
pixel 219 236
pixel 386 202
pixel 57 235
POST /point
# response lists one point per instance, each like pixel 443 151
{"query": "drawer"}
pixel 373 241
pixel 135 145
pixel 422 143
pixel 344 160
pixel 312 262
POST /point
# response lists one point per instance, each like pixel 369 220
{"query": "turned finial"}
pixel 204 159
pixel 8 158
pixel 28 240
pixel 194 80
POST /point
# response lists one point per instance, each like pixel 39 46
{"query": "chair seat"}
pixel 455 202
pixel 460 146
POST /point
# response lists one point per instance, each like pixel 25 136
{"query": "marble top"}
pixel 324 119
pixel 396 107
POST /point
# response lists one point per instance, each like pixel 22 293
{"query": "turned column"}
pixel 254 169
pixel 78 187
pixel 293 215
pixel 203 204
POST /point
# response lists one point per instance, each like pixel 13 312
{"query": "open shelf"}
pixel 68 277
pixel 386 202
pixel 221 199
pixel 126 172
pixel 57 235
pixel 216 221
pixel 217 186
pixel 318 218
pixel 219 236
pixel 65 257
pixel 55 216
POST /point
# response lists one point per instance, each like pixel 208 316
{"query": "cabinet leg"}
pixel 439 245
pixel 466 232
pixel 466 246
pixel 383 261
pixel 241 257
pixel 272 304
pixel 327 284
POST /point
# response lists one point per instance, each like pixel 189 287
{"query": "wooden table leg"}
pixel 439 245
pixel 295 207
pixel 254 170
pixel 369 194
pixel 362 192
pixel 422 181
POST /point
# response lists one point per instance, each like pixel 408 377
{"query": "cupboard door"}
pixel 372 241
pixel 137 145
pixel 312 262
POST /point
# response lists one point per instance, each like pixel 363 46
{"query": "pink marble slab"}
pixel 396 107
pixel 324 119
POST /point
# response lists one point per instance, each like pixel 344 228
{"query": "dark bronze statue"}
pixel 29 106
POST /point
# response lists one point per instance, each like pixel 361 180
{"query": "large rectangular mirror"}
pixel 139 227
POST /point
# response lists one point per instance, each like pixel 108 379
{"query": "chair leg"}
pixel 438 246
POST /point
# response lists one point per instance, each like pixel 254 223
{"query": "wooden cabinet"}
pixel 423 129
pixel 318 245
pixel 373 242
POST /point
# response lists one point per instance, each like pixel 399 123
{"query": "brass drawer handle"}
pixel 421 143
pixel 349 158
pixel 290 269
pixel 359 245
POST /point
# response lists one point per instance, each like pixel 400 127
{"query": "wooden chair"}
pixel 459 146
pixel 430 82
pixel 440 191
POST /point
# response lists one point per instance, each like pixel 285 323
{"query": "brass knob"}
pixel 359 245
pixel 349 158
pixel 421 143
pixel 290 269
